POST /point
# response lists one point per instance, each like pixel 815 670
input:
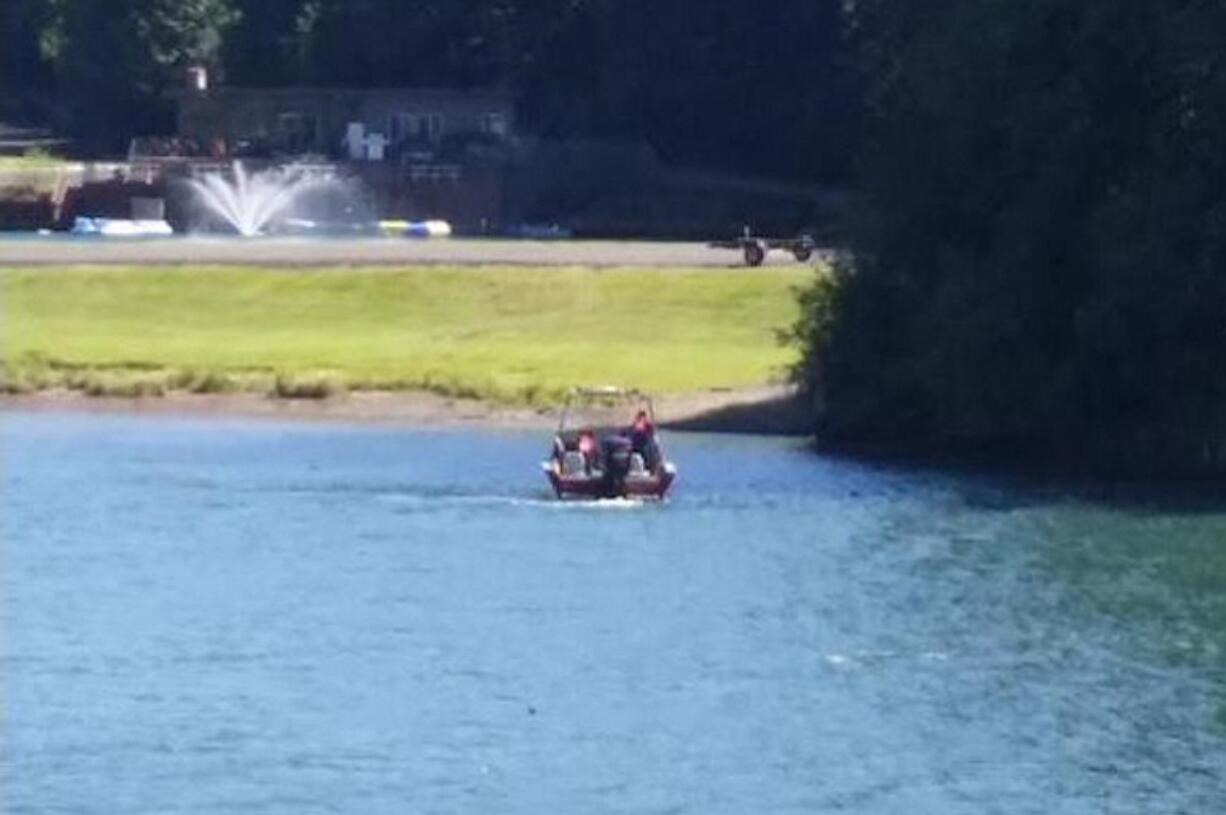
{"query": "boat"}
pixel 595 458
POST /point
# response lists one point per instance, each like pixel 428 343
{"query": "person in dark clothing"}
pixel 643 440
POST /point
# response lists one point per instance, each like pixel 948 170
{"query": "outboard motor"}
pixel 616 452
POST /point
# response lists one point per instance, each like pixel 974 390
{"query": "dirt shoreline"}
pixel 767 410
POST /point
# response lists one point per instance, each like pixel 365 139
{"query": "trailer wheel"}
pixel 755 253
pixel 803 253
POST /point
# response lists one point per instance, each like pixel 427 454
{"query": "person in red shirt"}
pixel 643 439
pixel 587 448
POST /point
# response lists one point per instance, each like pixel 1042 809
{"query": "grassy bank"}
pixel 507 334
pixel 32 161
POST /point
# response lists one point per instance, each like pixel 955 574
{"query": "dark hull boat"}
pixel 599 486
pixel 594 462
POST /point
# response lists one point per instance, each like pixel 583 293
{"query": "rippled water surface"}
pixel 220 616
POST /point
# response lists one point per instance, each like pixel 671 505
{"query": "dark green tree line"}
pixel 24 73
pixel 747 87
pixel 751 87
pixel 99 68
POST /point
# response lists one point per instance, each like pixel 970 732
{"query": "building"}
pixel 368 124
pixel 18 141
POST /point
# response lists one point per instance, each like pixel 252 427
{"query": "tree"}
pixel 765 88
pixel 24 75
pixel 762 87
pixel 114 59
pixel 1040 233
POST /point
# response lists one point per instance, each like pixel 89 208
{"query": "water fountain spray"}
pixel 250 202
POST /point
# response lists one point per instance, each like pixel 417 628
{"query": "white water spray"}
pixel 250 202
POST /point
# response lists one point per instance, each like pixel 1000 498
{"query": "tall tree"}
pixel 113 60
pixel 25 77
pixel 1039 245
pixel 765 87
pixel 266 48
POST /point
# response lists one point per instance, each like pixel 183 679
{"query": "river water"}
pixel 222 616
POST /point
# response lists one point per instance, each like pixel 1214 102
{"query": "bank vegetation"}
pixel 1038 265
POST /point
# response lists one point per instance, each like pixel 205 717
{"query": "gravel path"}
pixel 364 251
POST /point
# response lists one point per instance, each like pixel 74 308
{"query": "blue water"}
pixel 223 616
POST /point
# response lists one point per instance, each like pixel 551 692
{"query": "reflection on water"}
pixel 262 618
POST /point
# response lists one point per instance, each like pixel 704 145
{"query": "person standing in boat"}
pixel 643 440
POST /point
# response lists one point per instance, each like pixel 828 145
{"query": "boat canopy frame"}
pixel 628 395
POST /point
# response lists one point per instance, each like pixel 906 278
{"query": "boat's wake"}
pixel 611 504
pixel 420 497
pixel 542 501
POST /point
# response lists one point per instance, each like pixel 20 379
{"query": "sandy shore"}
pixel 768 410
pixel 303 252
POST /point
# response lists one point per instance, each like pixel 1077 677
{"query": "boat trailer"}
pixel 755 249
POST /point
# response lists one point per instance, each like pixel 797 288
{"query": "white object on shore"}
pixel 355 141
pixel 376 145
pixel 416 229
pixel 121 228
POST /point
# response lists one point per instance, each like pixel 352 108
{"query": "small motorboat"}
pixel 595 458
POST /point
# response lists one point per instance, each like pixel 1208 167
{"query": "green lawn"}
pixel 504 333
pixel 33 161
